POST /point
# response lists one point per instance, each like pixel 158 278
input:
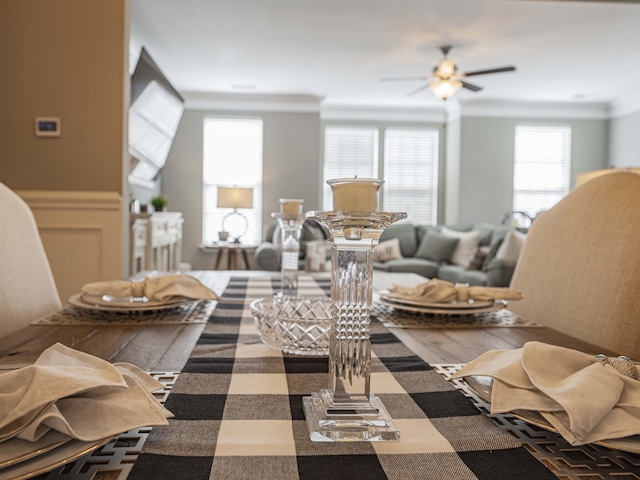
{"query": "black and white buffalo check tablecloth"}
pixel 238 412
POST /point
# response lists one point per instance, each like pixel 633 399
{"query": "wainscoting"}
pixel 81 233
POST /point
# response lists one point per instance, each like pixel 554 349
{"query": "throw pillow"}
pixel 387 250
pixel 466 248
pixel 437 247
pixel 479 258
pixel 511 246
pixel 491 254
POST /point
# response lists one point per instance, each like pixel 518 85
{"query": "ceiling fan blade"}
pixel 490 70
pixel 413 92
pixel 471 86
pixel 402 79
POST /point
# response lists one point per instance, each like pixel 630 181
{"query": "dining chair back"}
pixel 27 287
pixel 579 268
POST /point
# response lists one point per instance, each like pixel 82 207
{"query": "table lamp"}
pixel 235 197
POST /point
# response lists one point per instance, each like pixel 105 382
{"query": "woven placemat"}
pixel 197 312
pixel 393 318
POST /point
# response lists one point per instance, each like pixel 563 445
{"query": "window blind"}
pixel 542 162
pixel 348 151
pixel 411 173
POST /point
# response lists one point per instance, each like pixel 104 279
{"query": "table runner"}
pixel 238 412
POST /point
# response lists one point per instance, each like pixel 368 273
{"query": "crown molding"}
pixel 388 114
pixel 252 103
pixel 487 108
pixel 626 105
pixel 447 111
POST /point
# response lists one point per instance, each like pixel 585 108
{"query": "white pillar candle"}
pixel 355 194
pixel 290 206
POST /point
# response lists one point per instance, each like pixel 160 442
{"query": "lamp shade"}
pixel 445 88
pixel 235 197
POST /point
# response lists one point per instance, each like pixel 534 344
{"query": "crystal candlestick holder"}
pixel 290 220
pixel 347 410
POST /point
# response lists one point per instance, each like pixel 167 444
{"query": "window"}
pixel 232 158
pixel 348 152
pixel 411 174
pixel 541 167
pixel 410 166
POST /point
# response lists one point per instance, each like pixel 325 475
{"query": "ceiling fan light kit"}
pixel 445 88
pixel 446 80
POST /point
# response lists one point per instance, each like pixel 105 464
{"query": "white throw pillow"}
pixel 511 246
pixel 466 248
pixel 387 250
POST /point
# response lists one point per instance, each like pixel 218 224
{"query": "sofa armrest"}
pixel 499 272
pixel 268 257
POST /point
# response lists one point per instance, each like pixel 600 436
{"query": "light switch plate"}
pixel 47 127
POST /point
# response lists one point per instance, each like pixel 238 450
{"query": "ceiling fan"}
pixel 446 79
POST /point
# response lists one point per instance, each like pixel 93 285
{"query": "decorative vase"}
pixel 347 410
pixel 290 220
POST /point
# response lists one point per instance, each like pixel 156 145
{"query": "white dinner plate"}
pixel 48 460
pixel 77 300
pixel 482 386
pixel 439 310
pixel 109 301
pixel 15 450
pixel 472 304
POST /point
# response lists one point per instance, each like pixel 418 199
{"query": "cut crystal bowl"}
pixel 295 325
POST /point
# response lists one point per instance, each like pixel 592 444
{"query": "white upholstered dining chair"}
pixel 579 269
pixel 27 288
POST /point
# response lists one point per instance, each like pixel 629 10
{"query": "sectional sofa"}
pixel 484 254
pixel 476 254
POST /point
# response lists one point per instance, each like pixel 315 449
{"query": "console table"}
pixel 156 241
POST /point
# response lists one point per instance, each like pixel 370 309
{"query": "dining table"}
pixel 237 403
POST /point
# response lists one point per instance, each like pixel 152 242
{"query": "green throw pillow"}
pixel 437 247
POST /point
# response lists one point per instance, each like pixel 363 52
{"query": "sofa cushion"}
pixel 466 247
pixel 479 258
pixel 499 233
pixel 486 233
pixel 421 266
pixel 458 274
pixel 511 246
pixel 406 233
pixel 437 247
pixel 421 231
pixel 387 250
pixel 491 255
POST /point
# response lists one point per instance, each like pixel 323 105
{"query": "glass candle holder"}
pixel 290 220
pixel 347 410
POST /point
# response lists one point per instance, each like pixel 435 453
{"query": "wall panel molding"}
pixel 81 233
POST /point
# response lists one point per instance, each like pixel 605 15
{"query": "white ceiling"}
pixel 337 50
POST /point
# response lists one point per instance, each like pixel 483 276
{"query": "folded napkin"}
pixel 163 287
pixel 583 397
pixel 77 394
pixel 440 291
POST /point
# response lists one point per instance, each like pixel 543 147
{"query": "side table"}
pixel 231 251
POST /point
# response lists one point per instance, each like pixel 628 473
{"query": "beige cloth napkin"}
pixel 163 287
pixel 584 399
pixel 441 291
pixel 78 394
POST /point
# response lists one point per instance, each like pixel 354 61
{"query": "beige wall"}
pixel 486 168
pixel 67 59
